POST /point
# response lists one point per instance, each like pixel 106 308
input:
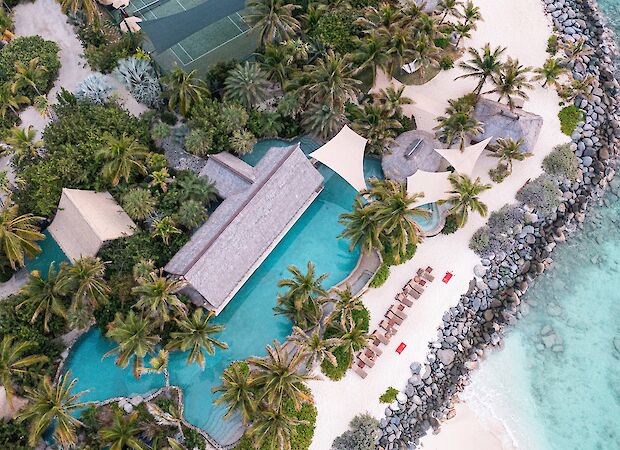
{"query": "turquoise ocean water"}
pixel 563 394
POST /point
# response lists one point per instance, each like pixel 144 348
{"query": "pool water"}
pixel 50 253
pixel 250 323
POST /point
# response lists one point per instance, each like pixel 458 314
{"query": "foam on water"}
pixel 566 395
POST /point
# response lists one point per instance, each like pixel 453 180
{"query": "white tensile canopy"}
pixel 87 219
pixel 434 186
pixel 344 154
pixel 464 161
pixel 131 24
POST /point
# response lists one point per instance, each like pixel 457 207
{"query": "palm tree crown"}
pixel 511 81
pixel 122 156
pixel 123 433
pixel 18 234
pixel 45 295
pixel 247 84
pixel 237 391
pixel 13 363
pixel 314 347
pixel 482 64
pixel 464 197
pixel 274 20
pixel 509 150
pixel 157 296
pixel 185 90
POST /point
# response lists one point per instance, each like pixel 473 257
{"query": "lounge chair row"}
pixel 394 317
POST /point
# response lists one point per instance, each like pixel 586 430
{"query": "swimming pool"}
pixel 50 253
pixel 250 323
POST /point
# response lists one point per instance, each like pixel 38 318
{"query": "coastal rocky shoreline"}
pixel 494 301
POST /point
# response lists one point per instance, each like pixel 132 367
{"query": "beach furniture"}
pixel 393 317
pixel 426 275
pixel 413 293
pixel 447 277
pixel 398 312
pixel 388 325
pixel 428 272
pixel 380 337
pixel 402 297
pixel 376 350
pixel 417 288
pixel 366 360
pixel 358 370
pixel 401 347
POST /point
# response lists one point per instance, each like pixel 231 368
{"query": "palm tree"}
pixel 458 123
pixel 374 121
pixel 392 212
pixel 272 429
pixel 157 296
pixel 279 378
pixel 577 50
pixel 122 156
pixel 184 90
pixel 576 88
pixel 370 56
pixel 449 8
pixel 237 391
pixel 18 234
pixel 45 295
pixel 24 144
pixel 464 197
pixel 134 336
pixel 360 228
pixel 275 61
pixel 511 81
pixel 482 65
pixel 300 302
pixel 123 433
pixel 194 187
pixel 330 81
pixel 88 7
pixel 5 184
pixel 53 404
pixel 13 363
pixel 42 105
pixel 550 72
pixel 274 20
pixel 85 279
pixel 393 100
pixel 462 30
pixel 195 334
pixel 314 347
pixel 354 338
pixel 10 101
pixel 471 14
pixel 344 307
pixel 139 203
pixel 28 75
pixel 323 119
pixel 509 150
pixel 399 45
pixel 160 179
pixel 247 84
pixel 165 228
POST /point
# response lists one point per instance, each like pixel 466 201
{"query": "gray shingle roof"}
pixel 500 122
pixel 230 174
pixel 243 230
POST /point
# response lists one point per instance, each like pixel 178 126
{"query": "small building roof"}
pixel 464 161
pixel 344 154
pixel 500 122
pixel 434 185
pixel 411 151
pixel 87 219
pixel 230 174
pixel 242 231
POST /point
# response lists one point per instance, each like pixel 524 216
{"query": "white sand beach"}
pixel 523 28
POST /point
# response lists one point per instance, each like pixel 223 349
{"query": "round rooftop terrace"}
pixel 411 151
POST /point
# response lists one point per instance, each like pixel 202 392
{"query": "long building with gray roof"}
pixel 261 204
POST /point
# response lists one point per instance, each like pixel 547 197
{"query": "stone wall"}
pixel 493 302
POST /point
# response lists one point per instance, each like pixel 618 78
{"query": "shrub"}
pixel 138 203
pixel 451 225
pixel 105 50
pixel 242 141
pixel 479 242
pixel 542 194
pixel 168 117
pixel 446 63
pixel 361 435
pixel 552 44
pixel 14 435
pixel 138 77
pixel 95 88
pixel 193 439
pixel 216 77
pixel 569 116
pixel 24 49
pixel 191 214
pixel 265 124
pixel 199 142
pixel 381 276
pixel 499 173
pixel 218 120
pixel 389 395
pixel 160 130
pixel 442 42
pixel 562 162
pixel 337 30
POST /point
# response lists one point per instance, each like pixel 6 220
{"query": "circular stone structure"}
pixel 402 161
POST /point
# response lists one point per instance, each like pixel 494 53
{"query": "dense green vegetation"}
pixel 569 117
pixel 389 395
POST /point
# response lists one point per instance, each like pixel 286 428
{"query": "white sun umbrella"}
pixel 344 154
pixel 131 24
pixel 464 161
pixel 434 185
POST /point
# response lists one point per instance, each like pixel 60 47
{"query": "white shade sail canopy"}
pixel 434 185
pixel 344 154
pixel 464 161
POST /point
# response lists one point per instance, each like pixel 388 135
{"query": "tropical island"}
pixel 282 224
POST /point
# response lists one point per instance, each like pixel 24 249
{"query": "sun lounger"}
pixel 417 288
pixel 376 350
pixel 402 297
pixel 424 274
pixel 366 360
pixel 358 370
pixel 380 337
pixel 418 279
pixel 393 317
pixel 388 325
pixel 398 312
pixel 428 272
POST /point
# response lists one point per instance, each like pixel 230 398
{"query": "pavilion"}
pixel 87 219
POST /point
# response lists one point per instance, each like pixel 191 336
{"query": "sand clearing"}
pixel 523 28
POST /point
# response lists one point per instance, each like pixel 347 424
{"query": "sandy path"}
pixel 338 402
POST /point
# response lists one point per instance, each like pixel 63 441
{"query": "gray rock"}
pixel 446 356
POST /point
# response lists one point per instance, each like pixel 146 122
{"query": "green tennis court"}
pixel 228 38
